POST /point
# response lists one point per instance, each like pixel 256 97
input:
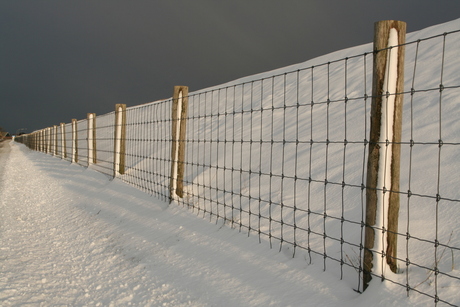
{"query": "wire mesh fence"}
pixel 430 173
pixel 82 142
pixel 275 157
pixel 285 157
pixel 105 144
pixel 148 139
pixel 68 142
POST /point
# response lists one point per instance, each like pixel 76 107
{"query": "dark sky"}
pixel 60 59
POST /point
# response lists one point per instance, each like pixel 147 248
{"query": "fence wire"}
pixel 105 144
pixel 285 158
pixel 148 143
pixel 275 157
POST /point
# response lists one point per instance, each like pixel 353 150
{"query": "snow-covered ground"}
pixel 71 236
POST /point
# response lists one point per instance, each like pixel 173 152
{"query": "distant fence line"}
pixel 306 159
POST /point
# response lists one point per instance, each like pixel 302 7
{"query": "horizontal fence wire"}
pixel 431 113
pixel 148 143
pixel 105 143
pixel 82 142
pixel 284 158
pixel 68 141
pixel 275 157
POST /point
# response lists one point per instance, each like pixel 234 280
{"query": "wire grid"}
pixel 46 140
pixel 82 142
pixel 428 135
pixel 68 142
pixel 274 157
pixel 429 113
pixel 50 141
pixel 148 148
pixel 105 143
pixel 59 149
pixel 53 141
pixel 244 138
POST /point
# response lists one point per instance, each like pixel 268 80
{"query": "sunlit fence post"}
pixel 120 139
pixel 55 140
pixel 42 140
pixel 74 141
pixel 382 197
pixel 179 114
pixel 48 140
pixel 91 138
pixel 63 143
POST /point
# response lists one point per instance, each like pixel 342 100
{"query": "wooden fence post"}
pixel 120 140
pixel 55 140
pixel 383 168
pixel 74 141
pixel 63 143
pixel 48 140
pixel 179 114
pixel 91 138
pixel 42 141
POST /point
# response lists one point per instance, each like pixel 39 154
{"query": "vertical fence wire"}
pixel 148 148
pixel 68 141
pixel 82 142
pixel 105 144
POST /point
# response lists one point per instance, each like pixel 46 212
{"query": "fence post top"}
pixel 385 25
pixel 119 106
pixel 181 88
pixel 390 21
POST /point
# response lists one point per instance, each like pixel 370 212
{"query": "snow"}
pixel 176 142
pixel 90 138
pixel 74 141
pixel 386 134
pixel 119 124
pixel 71 236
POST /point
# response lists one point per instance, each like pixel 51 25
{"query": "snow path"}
pixel 59 249
pixel 69 236
pixel 62 246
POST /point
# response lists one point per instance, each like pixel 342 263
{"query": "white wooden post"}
pixel 179 114
pixel 382 187
pixel 120 139
pixel 74 141
pixel 55 140
pixel 63 143
pixel 91 138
